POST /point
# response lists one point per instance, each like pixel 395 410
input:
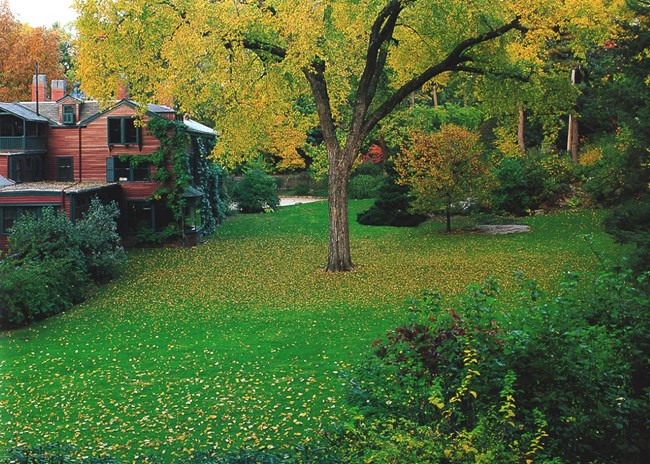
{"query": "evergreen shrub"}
pixel 630 223
pixel 391 207
pixel 364 186
pixel 256 191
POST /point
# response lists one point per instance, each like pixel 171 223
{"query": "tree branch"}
pixel 453 59
pixel 316 77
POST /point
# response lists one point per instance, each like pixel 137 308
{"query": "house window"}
pixel 16 169
pixel 64 167
pixel 122 131
pixel 68 114
pixel 10 214
pixel 140 215
pixel 127 169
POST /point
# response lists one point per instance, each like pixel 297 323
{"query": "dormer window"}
pixel 122 131
pixel 68 113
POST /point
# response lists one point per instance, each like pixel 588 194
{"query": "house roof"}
pixel 49 110
pixel 197 127
pixel 4 182
pixel 192 192
pixel 54 187
pixel 159 108
pixel 22 112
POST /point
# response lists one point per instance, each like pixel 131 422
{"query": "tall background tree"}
pixel 268 70
pixel 21 46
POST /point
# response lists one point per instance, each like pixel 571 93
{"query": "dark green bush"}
pixel 531 181
pixel 391 207
pixel 53 453
pixel 256 190
pixel 630 223
pixel 50 236
pixel 515 192
pixel 364 186
pixel 617 176
pixel 38 289
pixel 52 262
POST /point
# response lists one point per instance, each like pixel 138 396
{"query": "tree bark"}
pixel 521 142
pixel 574 140
pixel 339 256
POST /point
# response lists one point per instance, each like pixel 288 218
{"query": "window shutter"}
pixel 110 169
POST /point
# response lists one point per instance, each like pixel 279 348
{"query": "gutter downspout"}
pixel 80 177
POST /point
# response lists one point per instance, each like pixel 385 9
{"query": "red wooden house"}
pixel 60 152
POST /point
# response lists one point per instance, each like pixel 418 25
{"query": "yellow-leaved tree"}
pixel 443 169
pixel 266 71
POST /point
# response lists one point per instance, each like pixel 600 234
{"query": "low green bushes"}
pixel 53 262
pixel 559 378
pixel 531 181
pixel 364 186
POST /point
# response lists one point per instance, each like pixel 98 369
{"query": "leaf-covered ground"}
pixel 242 341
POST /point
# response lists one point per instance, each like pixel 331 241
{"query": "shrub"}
pixel 530 181
pixel 364 186
pixel 256 191
pixel 39 289
pixel 52 262
pixel 513 193
pixel 50 236
pixel 559 378
pixel 99 241
pixel 392 206
pixel 630 223
pixel 616 174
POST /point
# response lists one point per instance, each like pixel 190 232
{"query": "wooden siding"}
pixel 4 166
pixel 90 165
pixel 30 198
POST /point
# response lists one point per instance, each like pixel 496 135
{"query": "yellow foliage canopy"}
pixel 242 64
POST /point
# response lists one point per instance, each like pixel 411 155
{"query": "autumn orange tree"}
pixel 443 169
pixel 266 71
pixel 21 46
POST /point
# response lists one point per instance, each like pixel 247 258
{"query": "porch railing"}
pixel 22 144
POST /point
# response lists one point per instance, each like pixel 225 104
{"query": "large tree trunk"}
pixel 339 257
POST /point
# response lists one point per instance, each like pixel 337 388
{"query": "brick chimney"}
pixel 122 91
pixel 42 88
pixel 58 90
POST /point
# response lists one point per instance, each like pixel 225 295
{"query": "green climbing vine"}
pixel 173 137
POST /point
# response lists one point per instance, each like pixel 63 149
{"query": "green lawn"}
pixel 241 341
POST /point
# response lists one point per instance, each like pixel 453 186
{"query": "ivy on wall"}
pixel 172 173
